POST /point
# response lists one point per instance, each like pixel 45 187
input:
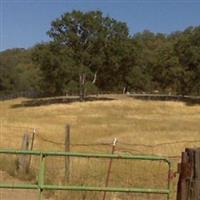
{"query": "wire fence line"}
pixel 40 136
pixel 122 144
pixel 164 148
pixel 167 150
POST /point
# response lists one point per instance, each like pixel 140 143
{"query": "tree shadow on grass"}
pixel 188 100
pixel 57 100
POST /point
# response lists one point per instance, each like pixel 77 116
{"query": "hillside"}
pixel 141 127
pixel 129 120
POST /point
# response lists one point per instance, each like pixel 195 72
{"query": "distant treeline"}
pixel 90 53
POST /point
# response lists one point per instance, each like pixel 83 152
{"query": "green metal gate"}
pixel 41 186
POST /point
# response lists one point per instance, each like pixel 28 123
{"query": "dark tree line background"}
pixel 90 52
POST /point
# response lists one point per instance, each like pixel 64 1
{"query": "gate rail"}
pixel 41 186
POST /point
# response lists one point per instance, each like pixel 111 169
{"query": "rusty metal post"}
pixel 109 167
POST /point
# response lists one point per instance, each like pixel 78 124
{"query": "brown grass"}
pixel 129 120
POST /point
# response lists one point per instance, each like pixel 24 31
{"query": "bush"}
pixel 90 88
pixel 72 88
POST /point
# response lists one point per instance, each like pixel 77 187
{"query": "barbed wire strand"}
pixel 120 146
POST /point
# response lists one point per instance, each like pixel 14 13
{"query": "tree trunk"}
pixel 82 78
pixel 95 78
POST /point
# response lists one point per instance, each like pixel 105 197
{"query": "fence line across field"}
pixel 120 143
pixel 122 146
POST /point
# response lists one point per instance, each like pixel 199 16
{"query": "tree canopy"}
pixel 17 71
pixel 89 51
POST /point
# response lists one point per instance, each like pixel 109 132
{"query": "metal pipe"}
pixel 18 186
pixel 85 188
pixel 41 176
pixel 87 155
pixel 169 181
pixel 106 189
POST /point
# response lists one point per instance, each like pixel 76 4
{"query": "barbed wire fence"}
pixel 8 130
pixel 169 149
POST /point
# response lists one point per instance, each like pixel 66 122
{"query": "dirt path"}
pixel 11 194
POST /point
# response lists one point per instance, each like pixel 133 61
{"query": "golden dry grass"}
pixel 129 120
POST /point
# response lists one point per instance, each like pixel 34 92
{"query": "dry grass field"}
pixel 129 120
pixel 141 127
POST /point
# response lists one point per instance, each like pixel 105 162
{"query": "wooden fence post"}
pixel 23 160
pixel 31 148
pixel 188 187
pixel 197 175
pixel 67 149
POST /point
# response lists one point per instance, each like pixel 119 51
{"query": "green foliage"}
pixel 57 68
pixel 83 45
pixel 167 69
pixel 90 52
pixel 138 80
pixel 17 72
pixel 188 51
pixel 90 88
pixel 72 88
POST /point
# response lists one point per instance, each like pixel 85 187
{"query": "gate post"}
pixel 197 176
pixel 188 187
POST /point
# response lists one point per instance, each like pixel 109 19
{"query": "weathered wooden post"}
pixel 196 186
pixel 67 149
pixel 188 187
pixel 31 148
pixel 23 160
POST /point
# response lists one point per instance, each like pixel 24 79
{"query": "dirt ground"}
pixel 11 194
